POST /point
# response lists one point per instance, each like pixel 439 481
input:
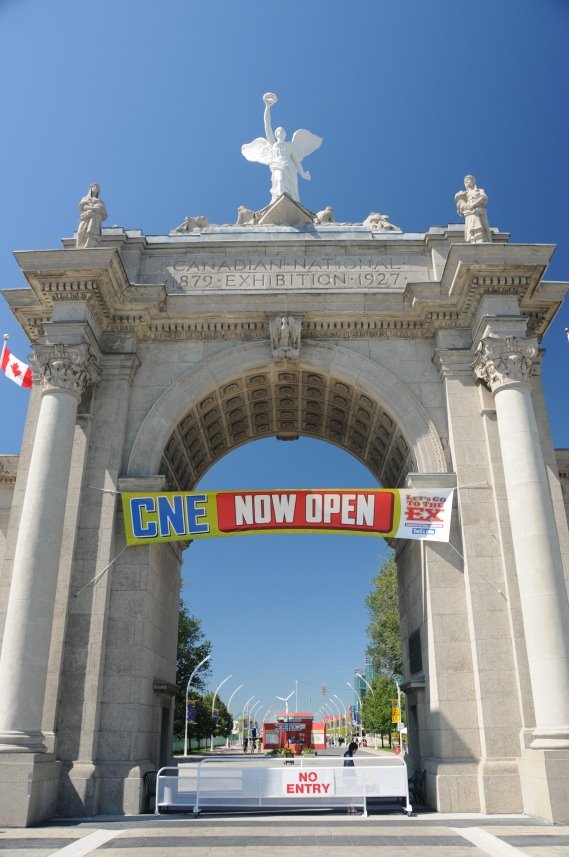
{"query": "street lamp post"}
pixel 360 702
pixel 328 713
pixel 365 681
pixel 201 663
pixel 400 724
pixel 213 707
pixel 232 695
pixel 337 707
pixel 394 677
pixel 229 709
pixel 335 695
pixel 253 715
pixel 251 698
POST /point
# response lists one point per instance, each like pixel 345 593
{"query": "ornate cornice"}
pixel 119 366
pixel 8 469
pixel 419 309
pixel 454 362
pixel 502 362
pixel 562 457
pixel 65 368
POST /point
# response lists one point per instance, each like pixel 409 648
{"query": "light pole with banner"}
pixel 252 719
pixel 337 707
pixel 251 698
pixel 213 707
pixel 396 715
pixel 201 663
pixel 335 695
pixel 360 712
pixel 229 709
pixel 328 712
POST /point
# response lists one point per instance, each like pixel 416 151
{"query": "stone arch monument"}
pixel 155 355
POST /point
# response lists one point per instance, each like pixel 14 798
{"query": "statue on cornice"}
pixel 191 224
pixel 471 204
pixel 324 216
pixel 284 159
pixel 377 222
pixel 93 212
pixel 245 216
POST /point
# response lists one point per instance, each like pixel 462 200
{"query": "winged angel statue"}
pixel 284 159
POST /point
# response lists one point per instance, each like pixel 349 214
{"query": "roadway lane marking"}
pixel 487 842
pixel 87 844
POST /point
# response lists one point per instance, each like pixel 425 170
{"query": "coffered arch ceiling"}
pixel 282 402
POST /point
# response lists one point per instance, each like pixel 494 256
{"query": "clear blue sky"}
pixel 154 100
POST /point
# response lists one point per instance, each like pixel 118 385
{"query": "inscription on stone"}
pixel 335 271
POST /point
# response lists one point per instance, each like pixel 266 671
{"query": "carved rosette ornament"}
pixel 506 361
pixel 66 368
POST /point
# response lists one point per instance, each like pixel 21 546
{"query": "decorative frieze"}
pixel 500 280
pixel 66 368
pixel 8 469
pixel 505 361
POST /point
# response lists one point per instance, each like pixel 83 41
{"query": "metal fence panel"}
pixel 264 783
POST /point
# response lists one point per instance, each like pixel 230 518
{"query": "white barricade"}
pixel 312 782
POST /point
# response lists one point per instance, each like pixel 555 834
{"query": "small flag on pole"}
pixel 14 369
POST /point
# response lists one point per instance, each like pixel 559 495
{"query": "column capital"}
pixel 502 362
pixel 65 368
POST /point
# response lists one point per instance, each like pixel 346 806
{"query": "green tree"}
pixel 384 630
pixel 192 648
pixel 224 723
pixel 203 723
pixel 376 709
pixel 225 720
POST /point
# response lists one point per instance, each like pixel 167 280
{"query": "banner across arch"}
pixel 186 515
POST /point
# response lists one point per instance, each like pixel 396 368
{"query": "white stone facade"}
pixel 154 356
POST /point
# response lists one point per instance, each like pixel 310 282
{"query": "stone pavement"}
pixel 303 834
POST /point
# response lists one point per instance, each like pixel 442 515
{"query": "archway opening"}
pixel 285 613
pixel 286 403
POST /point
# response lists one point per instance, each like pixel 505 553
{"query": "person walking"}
pixel 349 763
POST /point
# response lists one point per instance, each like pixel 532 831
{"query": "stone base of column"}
pixel 492 786
pixel 22 742
pixel 501 787
pixel 452 786
pixel 79 790
pixel 28 785
pixel 121 787
pixel 545 784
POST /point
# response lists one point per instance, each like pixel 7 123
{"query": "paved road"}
pixel 386 832
pixel 294 835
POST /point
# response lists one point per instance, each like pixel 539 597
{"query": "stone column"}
pixel 64 371
pixel 505 365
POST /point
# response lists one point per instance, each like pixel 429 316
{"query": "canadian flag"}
pixel 18 372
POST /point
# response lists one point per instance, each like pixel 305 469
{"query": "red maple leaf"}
pixel 15 370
